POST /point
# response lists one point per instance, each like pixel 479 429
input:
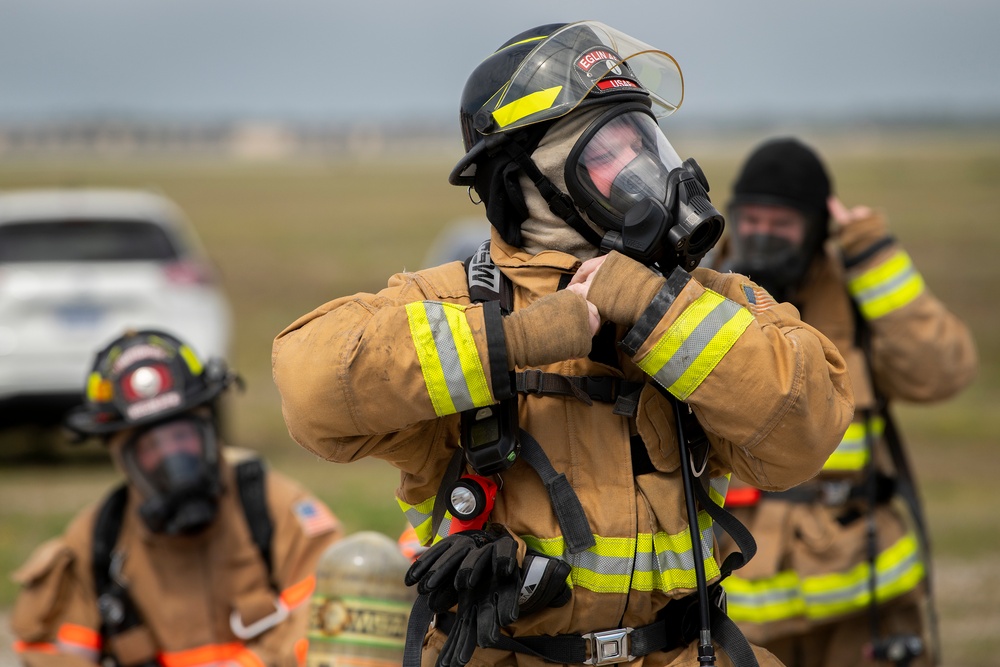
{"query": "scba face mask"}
pixel 175 467
pixel 777 252
pixel 625 176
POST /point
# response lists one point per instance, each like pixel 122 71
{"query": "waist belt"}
pixel 607 647
pixel 676 627
pixel 832 493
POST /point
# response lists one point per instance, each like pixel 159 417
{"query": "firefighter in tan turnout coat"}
pixel 198 559
pixel 807 593
pixel 587 531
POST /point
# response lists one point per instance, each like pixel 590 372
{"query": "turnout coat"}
pixel 386 374
pixel 812 568
pixel 187 590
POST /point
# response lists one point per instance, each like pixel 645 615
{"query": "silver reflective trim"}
pixel 887 287
pixel 696 342
pixel 448 354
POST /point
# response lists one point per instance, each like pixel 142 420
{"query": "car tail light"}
pixel 189 273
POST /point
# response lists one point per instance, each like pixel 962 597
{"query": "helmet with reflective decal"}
pixel 145 377
pixel 546 72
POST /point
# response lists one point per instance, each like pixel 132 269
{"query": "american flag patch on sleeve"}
pixel 314 517
pixel 758 299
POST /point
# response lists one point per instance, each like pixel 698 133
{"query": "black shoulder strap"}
pixel 107 527
pixel 250 478
pixel 486 281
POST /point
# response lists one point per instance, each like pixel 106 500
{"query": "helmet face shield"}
pixel 577 60
pixel 622 159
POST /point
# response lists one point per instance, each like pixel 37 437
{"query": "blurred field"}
pixel 290 236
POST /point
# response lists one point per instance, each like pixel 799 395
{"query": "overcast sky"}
pixel 395 59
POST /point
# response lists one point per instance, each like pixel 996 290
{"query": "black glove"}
pixel 543 583
pixel 488 583
pixel 434 570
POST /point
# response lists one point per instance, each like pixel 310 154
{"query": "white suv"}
pixel 80 266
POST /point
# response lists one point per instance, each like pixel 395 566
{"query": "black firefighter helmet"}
pixel 541 75
pixel 145 377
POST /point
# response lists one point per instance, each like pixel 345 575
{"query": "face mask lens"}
pixel 625 161
pixel 168 456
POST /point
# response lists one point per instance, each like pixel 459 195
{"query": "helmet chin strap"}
pixel 559 202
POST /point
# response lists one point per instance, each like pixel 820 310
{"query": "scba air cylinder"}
pixel 361 606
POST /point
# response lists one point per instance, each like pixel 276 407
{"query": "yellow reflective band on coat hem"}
pixel 449 358
pixel 852 452
pixel 420 516
pixel 891 285
pixel 898 570
pixel 695 343
pixel 647 562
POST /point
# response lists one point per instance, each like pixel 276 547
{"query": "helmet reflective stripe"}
pixel 852 452
pixel 695 343
pixel 527 105
pixel 99 388
pixel 887 287
pixel 449 358
pixel 419 516
pixel 193 363
pixel 898 569
pixel 647 562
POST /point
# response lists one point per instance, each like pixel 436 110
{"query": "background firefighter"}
pixel 807 594
pixel 202 557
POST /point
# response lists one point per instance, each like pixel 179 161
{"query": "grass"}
pixel 290 236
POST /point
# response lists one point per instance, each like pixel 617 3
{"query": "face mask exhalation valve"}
pixel 676 232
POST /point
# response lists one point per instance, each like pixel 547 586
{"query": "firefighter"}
pixel 518 395
pixel 201 557
pixel 807 596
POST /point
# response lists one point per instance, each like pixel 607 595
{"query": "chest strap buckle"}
pixel 609 647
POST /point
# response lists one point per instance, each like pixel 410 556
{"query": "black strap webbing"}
pixel 250 477
pixel 565 503
pixel 728 636
pixel 105 535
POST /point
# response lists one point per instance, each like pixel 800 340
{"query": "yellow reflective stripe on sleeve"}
pixel 449 359
pixel 648 562
pixel 695 343
pixel 717 488
pixel 537 101
pixel 420 517
pixel 898 569
pixel 886 287
pixel 852 452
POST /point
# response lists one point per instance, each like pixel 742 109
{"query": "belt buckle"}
pixel 835 492
pixel 609 647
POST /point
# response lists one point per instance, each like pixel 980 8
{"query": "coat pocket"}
pixel 44 579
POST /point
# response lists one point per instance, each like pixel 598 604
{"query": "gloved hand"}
pixel 488 583
pixel 543 583
pixel 494 592
pixel 434 570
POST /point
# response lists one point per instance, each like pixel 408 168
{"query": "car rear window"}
pixel 85 241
